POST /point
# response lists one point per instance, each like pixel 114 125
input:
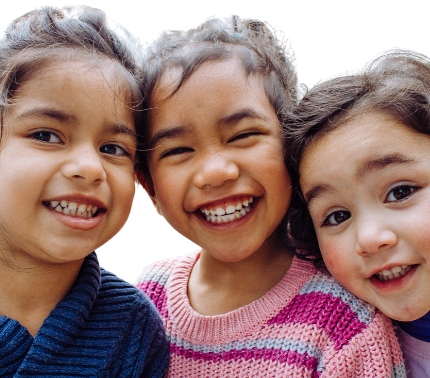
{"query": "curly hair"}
pixel 397 83
pixel 253 42
pixel 44 35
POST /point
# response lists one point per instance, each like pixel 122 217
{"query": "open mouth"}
pixel 74 209
pixel 228 212
pixel 393 273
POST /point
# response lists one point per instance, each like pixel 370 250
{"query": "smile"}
pixel 394 272
pixel 228 212
pixel 73 209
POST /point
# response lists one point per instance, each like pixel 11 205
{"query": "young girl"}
pixel 67 154
pixel 362 150
pixel 242 306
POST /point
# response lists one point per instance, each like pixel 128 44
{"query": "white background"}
pixel 328 38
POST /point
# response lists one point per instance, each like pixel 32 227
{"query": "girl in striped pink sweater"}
pixel 243 306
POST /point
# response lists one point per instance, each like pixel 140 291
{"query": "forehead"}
pixel 349 149
pixel 219 85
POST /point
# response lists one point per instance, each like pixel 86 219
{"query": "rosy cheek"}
pixel 333 258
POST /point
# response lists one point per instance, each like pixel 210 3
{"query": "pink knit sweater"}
pixel 308 325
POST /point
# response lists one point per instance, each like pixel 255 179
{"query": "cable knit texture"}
pixel 103 328
pixel 308 325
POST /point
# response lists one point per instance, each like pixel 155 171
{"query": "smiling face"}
pixel 216 164
pixel 367 184
pixel 66 162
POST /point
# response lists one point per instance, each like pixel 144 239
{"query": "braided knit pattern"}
pixel 308 325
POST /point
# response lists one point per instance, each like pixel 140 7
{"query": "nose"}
pixel 374 235
pixel 85 164
pixel 215 170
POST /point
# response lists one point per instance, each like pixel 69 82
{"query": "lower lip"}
pixel 232 224
pixel 78 223
pixel 395 284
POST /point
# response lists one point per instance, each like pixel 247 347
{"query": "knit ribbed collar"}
pixel 193 327
pixel 17 346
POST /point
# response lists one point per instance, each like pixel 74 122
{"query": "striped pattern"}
pixel 306 326
pixel 103 328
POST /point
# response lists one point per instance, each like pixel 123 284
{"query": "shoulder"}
pixel 143 338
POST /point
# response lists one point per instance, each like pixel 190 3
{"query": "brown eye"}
pixel 336 218
pixel 400 193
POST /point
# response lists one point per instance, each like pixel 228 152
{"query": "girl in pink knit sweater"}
pixel 243 306
pixel 362 151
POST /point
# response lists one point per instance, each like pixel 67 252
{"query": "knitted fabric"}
pixel 308 325
pixel 103 328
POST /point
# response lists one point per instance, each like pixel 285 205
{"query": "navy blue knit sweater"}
pixel 103 328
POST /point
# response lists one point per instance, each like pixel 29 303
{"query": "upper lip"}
pixel 80 198
pixel 223 201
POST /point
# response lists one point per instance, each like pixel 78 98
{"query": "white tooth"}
pixel 219 218
pixel 89 214
pixel 390 276
pixel 63 203
pixel 66 211
pixel 225 218
pixel 202 211
pixel 54 204
pixel 386 272
pixel 248 209
pixel 230 209
pixel 220 211
pixel 73 206
pixel 237 215
pixel 94 209
pixel 251 200
pixel 82 208
pixel 231 216
pixel 79 213
pixel 72 212
pixel 213 218
pixel 208 217
pixel 212 212
pixel 59 209
pixel 239 206
pixel 404 266
pixel 396 269
pixel 397 275
pixel 89 207
pixel 243 211
pixel 245 203
pixel 207 212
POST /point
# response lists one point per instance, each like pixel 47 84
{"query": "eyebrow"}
pixel 68 118
pixel 383 162
pixel 372 165
pixel 47 112
pixel 229 120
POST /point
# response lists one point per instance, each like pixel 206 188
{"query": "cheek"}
pixel 336 259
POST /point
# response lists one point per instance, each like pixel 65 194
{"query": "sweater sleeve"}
pixel 372 353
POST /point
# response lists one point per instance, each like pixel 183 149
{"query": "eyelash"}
pixel 176 151
pixel 412 189
pixel 44 136
pixel 244 135
pixel 401 188
pixel 41 134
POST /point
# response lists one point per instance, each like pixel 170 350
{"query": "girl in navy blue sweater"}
pixel 69 105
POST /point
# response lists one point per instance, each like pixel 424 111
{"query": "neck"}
pixel 217 287
pixel 420 328
pixel 28 294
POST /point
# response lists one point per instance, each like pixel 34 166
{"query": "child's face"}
pixel 68 141
pixel 217 149
pixel 367 184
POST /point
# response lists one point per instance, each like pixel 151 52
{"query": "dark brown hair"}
pixel 44 35
pixel 253 42
pixel 397 83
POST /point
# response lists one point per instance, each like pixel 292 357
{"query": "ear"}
pixel 146 181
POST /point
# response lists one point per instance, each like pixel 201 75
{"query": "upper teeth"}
pixel 74 209
pixel 394 272
pixel 229 213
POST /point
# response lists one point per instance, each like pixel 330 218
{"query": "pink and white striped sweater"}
pixel 308 325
